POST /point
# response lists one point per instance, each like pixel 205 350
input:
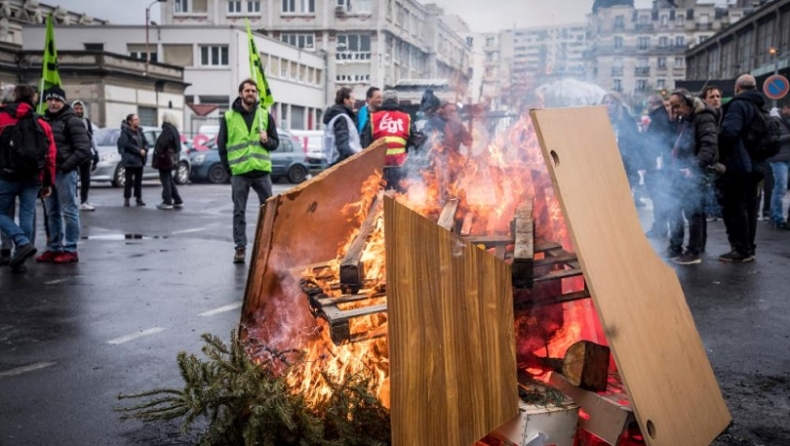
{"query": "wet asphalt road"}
pixel 73 337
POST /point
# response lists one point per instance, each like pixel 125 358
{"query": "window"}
pixel 353 47
pixel 253 6
pixel 679 62
pixel 141 55
pixel 662 62
pixel 680 41
pixel 363 7
pixel 618 43
pixel 641 85
pixel 298 6
pixel 234 7
pixel 702 38
pixel 619 22
pixel 214 56
pixel 190 6
pixel 618 85
pixel 297 117
pixel 661 84
pixel 181 6
pixel 181 55
pixel 148 116
pixel 643 43
pixel 663 42
pixel 664 20
pixel 294 71
pixel 94 47
pixel 319 77
pixel 299 40
pixel 681 20
pixel 274 66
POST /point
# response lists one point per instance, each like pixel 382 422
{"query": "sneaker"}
pixel 239 256
pixel 5 257
pixel 47 257
pixel 164 206
pixel 736 257
pixel 126 202
pixel 67 257
pixel 178 205
pixel 672 253
pixel 688 259
pixel 21 255
pixel 87 207
pixel 140 202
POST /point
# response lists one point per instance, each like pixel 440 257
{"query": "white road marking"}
pixel 55 282
pixel 187 231
pixel 133 336
pixel 219 310
pixel 26 369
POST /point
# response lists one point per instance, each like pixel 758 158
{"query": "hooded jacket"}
pixel 71 138
pixel 13 112
pixel 272 142
pixel 697 145
pixel 738 116
pixel 131 145
pixel 342 136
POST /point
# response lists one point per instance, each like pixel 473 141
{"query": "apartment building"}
pixel 215 59
pixel 364 42
pixel 641 51
pixel 15 13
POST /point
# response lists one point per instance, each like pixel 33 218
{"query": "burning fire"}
pixel 490 181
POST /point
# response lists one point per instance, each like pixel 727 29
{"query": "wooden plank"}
pixel 638 298
pixel 352 271
pixel 524 251
pixel 466 226
pixel 447 217
pixel 586 365
pixel 452 349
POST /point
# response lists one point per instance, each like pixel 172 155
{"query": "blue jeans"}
pixel 27 191
pixel 62 211
pixel 780 187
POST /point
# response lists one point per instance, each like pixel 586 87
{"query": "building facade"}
pixel 758 44
pixel 364 42
pixel 638 52
pixel 215 60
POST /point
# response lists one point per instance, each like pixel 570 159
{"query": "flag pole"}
pixel 41 95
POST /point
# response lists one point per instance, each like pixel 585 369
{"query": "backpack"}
pixel 762 137
pixel 331 154
pixel 24 148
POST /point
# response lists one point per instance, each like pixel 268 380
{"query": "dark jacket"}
pixel 131 145
pixel 738 116
pixel 784 143
pixel 71 138
pixel 659 137
pixel 366 138
pixel 167 149
pixel 273 139
pixel 697 145
pixel 341 129
pixel 10 114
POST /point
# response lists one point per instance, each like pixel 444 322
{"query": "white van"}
pixel 313 146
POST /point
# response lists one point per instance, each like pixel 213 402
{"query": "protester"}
pixel 6 244
pixel 341 138
pixel 660 136
pixel 695 150
pixel 73 149
pixel 739 185
pixel 165 159
pixel 247 134
pixel 373 101
pixel 394 126
pixel 627 136
pixel 24 171
pixel 455 133
pixel 711 95
pixel 133 148
pixel 780 165
pixel 87 166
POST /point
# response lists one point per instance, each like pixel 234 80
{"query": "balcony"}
pixel 643 27
pixel 617 71
pixel 642 71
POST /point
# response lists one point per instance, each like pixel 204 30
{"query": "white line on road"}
pixel 187 231
pixel 133 336
pixel 55 282
pixel 219 310
pixel 26 369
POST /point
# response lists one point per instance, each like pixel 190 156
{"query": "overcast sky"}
pixel 481 15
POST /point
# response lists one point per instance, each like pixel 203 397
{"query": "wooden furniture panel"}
pixel 638 298
pixel 451 334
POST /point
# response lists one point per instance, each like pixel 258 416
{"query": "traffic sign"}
pixel 776 87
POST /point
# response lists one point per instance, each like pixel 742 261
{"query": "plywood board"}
pixel 638 298
pixel 302 226
pixel 451 334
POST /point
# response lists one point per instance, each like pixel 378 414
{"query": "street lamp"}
pixel 147 20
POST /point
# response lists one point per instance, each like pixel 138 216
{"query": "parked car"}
pixel 110 168
pixel 288 161
pixel 312 142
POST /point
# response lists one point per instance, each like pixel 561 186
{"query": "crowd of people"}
pixel 703 160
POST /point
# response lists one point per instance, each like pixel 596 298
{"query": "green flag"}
pixel 49 65
pixel 256 73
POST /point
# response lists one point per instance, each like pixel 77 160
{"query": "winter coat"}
pixel 272 138
pixel 131 145
pixel 738 116
pixel 341 129
pixel 660 137
pixel 784 144
pixel 167 149
pixel 13 112
pixel 697 145
pixel 71 138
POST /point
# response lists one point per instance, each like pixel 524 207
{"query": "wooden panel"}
pixel 451 334
pixel 302 226
pixel 639 300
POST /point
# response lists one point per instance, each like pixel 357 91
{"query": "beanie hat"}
pixel 55 93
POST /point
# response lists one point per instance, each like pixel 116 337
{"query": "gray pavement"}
pixel 149 282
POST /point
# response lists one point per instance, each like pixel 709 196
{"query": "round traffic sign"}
pixel 776 87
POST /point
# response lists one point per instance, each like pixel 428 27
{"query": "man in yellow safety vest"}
pixel 246 136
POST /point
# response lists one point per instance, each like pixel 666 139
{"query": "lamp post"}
pixel 147 20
